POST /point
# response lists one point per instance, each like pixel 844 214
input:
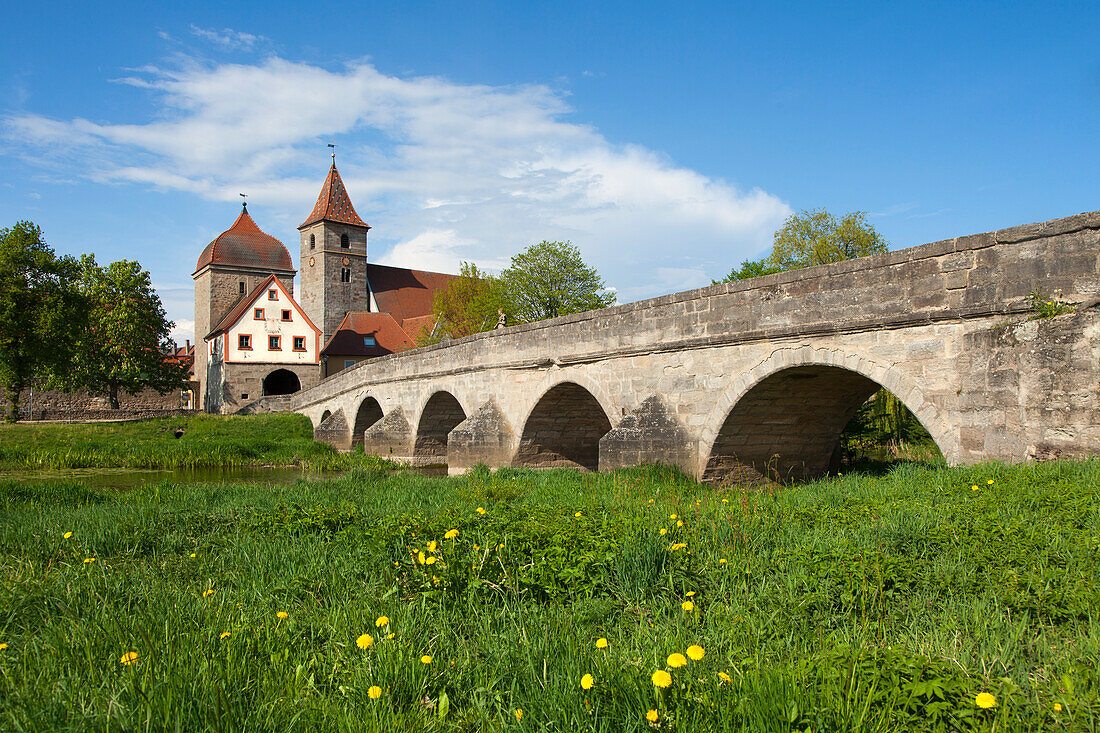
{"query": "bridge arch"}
pixel 368 413
pixel 784 417
pixel 280 382
pixel 563 429
pixel 441 414
pixel 325 416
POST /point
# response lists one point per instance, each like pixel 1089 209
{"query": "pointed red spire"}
pixel 333 204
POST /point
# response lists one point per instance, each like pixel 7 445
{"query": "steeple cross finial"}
pixel 333 146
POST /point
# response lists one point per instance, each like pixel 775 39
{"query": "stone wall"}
pixel 62 405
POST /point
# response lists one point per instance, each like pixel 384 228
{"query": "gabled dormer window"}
pixel 369 341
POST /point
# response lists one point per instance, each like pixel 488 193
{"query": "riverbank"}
pixel 191 441
pixel 930 599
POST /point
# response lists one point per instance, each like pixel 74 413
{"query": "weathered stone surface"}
pixel 649 434
pixel 774 366
pixel 390 437
pixel 334 431
pixel 484 437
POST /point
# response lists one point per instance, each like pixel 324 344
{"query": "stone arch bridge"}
pixel 761 374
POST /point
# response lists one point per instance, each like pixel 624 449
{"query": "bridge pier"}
pixel 484 437
pixel 334 431
pixel 649 434
pixel 390 437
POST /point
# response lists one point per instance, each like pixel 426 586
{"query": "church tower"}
pixel 333 265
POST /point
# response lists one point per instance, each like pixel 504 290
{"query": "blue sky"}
pixel 667 141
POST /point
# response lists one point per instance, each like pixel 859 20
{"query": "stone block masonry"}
pixel 761 375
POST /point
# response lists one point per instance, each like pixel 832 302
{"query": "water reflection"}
pixel 133 478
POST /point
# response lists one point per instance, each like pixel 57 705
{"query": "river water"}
pixel 132 478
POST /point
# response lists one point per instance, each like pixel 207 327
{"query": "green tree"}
pixel 550 279
pixel 470 304
pixel 815 237
pixel 127 337
pixel 39 311
pixel 749 269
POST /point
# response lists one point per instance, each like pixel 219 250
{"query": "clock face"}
pixel 312 261
pixel 346 262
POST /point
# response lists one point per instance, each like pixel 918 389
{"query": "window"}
pixel 240 287
pixel 369 341
pixel 286 315
pixel 272 294
pixel 312 241
pixel 349 363
pixel 258 314
pixel 244 341
pixel 345 275
pixel 244 395
pixel 344 241
pixel 273 343
pixel 299 343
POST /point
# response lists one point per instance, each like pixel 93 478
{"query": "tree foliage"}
pixel 470 304
pixel 750 269
pixel 39 310
pixel 550 279
pixel 815 237
pixel 124 344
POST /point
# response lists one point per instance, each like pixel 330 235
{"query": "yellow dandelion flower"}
pixel 990 482
pixel 725 501
pixel 519 714
pixel 129 658
pixel 601 643
pixel 680 523
pixel 724 677
pixel 224 635
pixel 426 659
pixel 722 561
pixel 192 554
pixel 577 514
pixel 374 692
pixel 481 510
pixel 677 546
pixel 476 547
pixel 690 593
pixel 687 606
pixel 500 547
pixel 587 681
pixel 1057 707
pixel 651 501
pixel 664 531
pixel 651 716
pixel 88 560
pixel 661 678
pixel 208 592
pixel 381 621
pixel 364 641
pixel 430 561
pixel 985 700
pixel 391 635
pixel 420 557
pixel 67 535
pixel 451 534
pixel 431 546
pixel 672 516
pixel 282 614
pixel 695 652
pixel 3 646
pixel 974 487
pixel 676 660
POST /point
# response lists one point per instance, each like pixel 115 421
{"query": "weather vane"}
pixel 244 204
pixel 333 146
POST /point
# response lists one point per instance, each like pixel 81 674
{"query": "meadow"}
pixel 928 598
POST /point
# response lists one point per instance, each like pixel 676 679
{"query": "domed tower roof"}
pixel 245 245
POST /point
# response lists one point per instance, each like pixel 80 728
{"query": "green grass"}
pixel 206 441
pixel 853 603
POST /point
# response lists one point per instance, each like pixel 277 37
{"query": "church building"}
pixel 260 341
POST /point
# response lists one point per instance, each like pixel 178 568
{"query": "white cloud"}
pixel 227 38
pixel 444 172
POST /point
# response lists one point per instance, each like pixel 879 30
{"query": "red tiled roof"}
pixel 245 245
pixel 348 339
pixel 405 293
pixel 333 203
pixel 414 326
pixel 245 302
